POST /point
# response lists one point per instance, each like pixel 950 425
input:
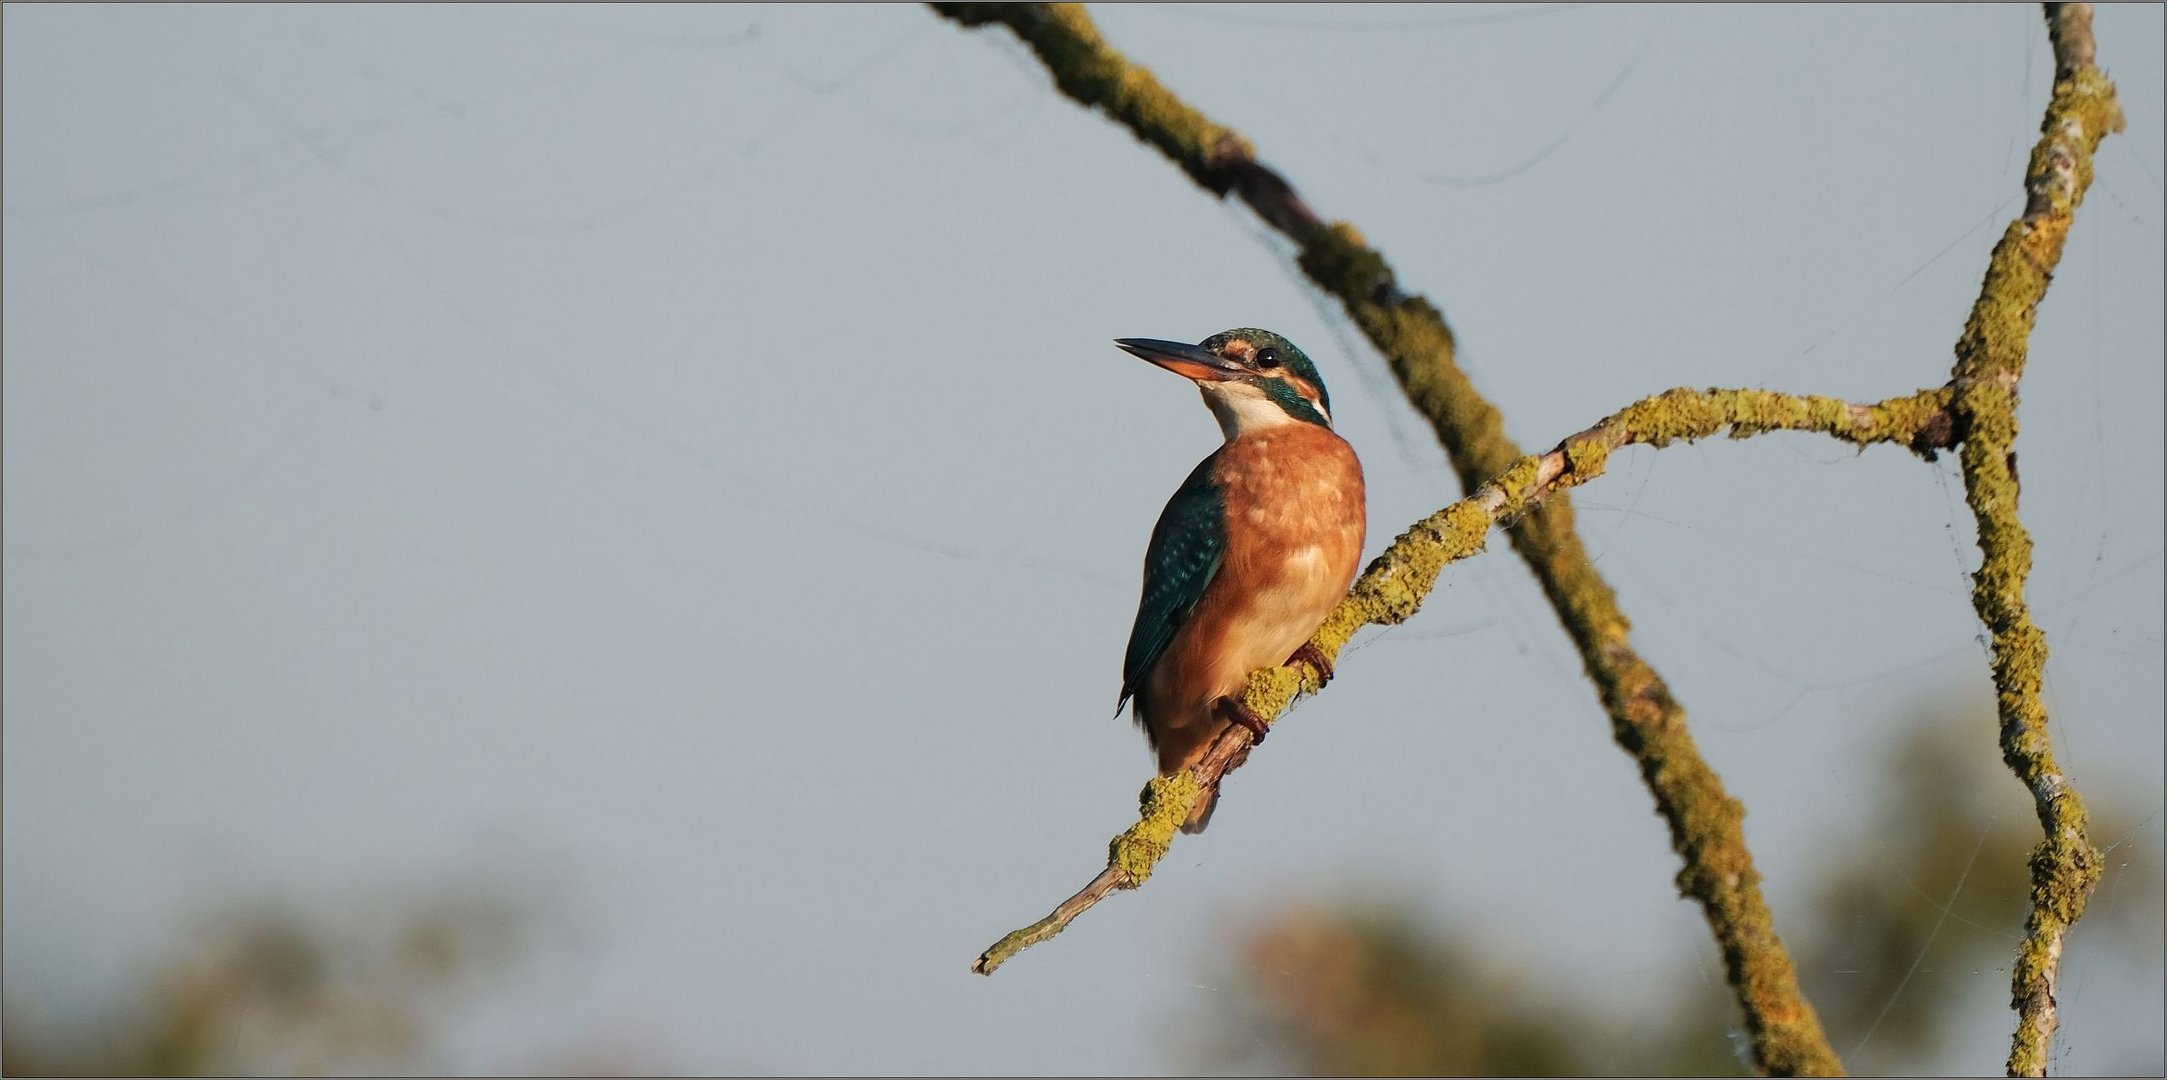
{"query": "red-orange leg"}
pixel 1233 711
pixel 1310 654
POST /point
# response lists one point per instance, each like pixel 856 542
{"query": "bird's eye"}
pixel 1267 357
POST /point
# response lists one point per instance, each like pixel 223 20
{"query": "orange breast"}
pixel 1294 521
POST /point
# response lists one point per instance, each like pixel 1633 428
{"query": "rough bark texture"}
pixel 1393 587
pixel 1990 357
pixel 1976 410
pixel 1646 720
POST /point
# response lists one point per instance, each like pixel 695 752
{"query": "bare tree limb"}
pixel 1394 585
pixel 1646 720
pixel 1990 358
pixel 1411 334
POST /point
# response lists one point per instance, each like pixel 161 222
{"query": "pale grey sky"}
pixel 675 456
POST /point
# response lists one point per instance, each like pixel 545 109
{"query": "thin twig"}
pixel 1393 587
pixel 1990 359
pixel 1109 879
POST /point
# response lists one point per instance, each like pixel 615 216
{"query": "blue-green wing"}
pixel 1186 548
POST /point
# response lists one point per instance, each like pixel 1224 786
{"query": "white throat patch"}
pixel 1243 409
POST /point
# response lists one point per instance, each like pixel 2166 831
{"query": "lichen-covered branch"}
pixel 1415 342
pixel 1395 584
pixel 1989 361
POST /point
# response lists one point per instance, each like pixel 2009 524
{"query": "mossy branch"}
pixel 1412 336
pixel 1395 584
pixel 1990 358
pixel 1415 341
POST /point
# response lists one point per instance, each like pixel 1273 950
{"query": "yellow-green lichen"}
pixel 1167 801
pixel 1337 259
pixel 1670 416
pixel 1416 342
pixel 1462 529
pixel 2086 106
pixel 1922 421
pixel 1586 457
pixel 1518 484
pixel 1990 409
pixel 1990 357
pixel 2064 869
pixel 1270 690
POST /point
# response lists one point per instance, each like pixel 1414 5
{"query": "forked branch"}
pixel 1978 411
pixel 1410 333
pixel 1395 584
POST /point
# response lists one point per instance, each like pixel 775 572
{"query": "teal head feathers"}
pixel 1251 379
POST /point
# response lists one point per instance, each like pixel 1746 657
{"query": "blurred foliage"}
pixel 1916 916
pixel 1906 928
pixel 1374 989
pixel 1912 911
pixel 276 990
pixel 1911 923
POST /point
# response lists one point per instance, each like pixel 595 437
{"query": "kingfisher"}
pixel 1250 554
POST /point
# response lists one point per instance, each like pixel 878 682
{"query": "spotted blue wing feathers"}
pixel 1187 546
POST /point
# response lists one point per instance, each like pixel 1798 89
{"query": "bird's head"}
pixel 1252 379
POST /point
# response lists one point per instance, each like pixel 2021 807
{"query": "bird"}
pixel 1252 551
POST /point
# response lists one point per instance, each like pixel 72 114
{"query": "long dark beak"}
pixel 1182 359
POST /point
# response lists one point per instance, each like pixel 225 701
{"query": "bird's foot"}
pixel 1310 654
pixel 1233 711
